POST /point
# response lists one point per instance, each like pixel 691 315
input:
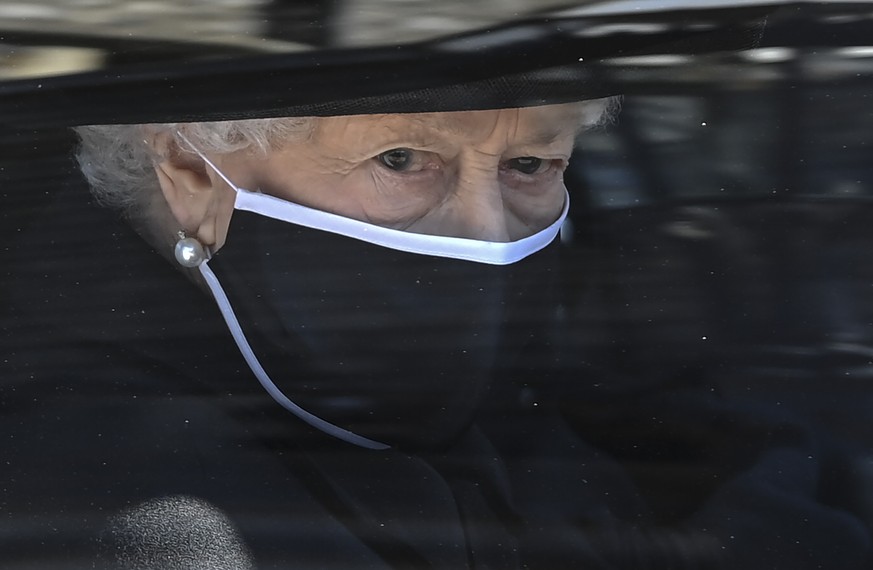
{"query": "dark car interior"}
pixel 704 335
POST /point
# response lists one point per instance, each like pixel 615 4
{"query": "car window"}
pixel 518 284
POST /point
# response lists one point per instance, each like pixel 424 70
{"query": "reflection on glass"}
pixel 387 360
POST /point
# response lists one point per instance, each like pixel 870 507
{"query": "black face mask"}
pixel 395 346
pixel 377 336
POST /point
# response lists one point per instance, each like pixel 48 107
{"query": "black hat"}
pixel 520 59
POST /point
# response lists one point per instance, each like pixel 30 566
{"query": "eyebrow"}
pixel 419 135
pixel 544 134
pixel 547 136
pixel 428 132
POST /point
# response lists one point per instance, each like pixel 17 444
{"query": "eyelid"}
pixel 419 144
pixel 559 149
pixel 423 160
pixel 544 153
pixel 549 165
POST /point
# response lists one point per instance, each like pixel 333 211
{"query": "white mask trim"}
pixel 490 252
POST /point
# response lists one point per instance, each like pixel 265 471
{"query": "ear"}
pixel 199 199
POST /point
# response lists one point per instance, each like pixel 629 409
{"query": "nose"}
pixel 480 211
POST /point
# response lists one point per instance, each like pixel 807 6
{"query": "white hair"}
pixel 118 161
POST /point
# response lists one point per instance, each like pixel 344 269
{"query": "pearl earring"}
pixel 189 252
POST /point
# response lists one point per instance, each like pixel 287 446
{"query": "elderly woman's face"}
pixel 490 175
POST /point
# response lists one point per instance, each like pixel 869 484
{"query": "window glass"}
pixel 509 284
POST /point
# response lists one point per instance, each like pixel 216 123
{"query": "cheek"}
pixel 347 195
pixel 397 199
pixel 366 193
pixel 300 175
pixel 535 205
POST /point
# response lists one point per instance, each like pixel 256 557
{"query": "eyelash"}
pixel 549 167
pixel 419 160
pixel 384 158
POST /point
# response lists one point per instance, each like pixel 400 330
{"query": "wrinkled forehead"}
pixel 532 125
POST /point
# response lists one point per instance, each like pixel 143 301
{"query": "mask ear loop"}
pixel 251 359
pixel 207 161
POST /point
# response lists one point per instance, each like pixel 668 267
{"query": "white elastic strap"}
pixel 262 376
pixel 489 252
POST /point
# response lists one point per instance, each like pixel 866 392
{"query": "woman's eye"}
pixel 527 164
pixel 398 159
